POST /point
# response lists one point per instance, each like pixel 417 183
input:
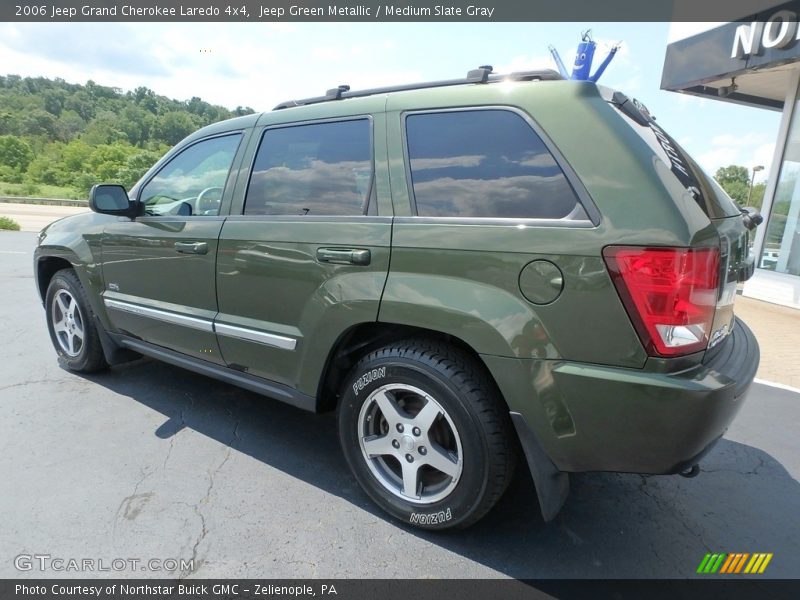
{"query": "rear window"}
pixel 485 163
pixel 706 192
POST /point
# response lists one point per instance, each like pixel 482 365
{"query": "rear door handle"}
pixel 192 247
pixel 344 256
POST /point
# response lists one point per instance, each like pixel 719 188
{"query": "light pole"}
pixel 752 179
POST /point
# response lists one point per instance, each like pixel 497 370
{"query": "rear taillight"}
pixel 670 294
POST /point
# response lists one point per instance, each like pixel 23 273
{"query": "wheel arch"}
pixel 552 485
pixel 46 267
pixel 360 339
pixel 49 260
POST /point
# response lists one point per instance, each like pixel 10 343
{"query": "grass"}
pixel 9 224
pixel 39 190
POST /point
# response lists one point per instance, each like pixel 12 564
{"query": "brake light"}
pixel 670 294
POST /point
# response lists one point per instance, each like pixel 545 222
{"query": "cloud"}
pixel 747 150
pixel 240 64
pixel 543 196
pixel 79 44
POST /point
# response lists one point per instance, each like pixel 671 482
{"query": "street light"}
pixel 752 178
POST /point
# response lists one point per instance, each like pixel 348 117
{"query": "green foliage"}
pixel 732 174
pixel 735 180
pixel 14 152
pixel 10 174
pixel 135 166
pixel 8 223
pixel 30 189
pixel 173 126
pixel 44 191
pixel 63 136
pixel 757 197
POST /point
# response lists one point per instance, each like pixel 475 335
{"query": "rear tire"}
pixel 426 433
pixel 70 321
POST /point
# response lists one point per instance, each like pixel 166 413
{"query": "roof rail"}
pixel 482 74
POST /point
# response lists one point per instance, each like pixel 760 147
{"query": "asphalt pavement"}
pixel 149 461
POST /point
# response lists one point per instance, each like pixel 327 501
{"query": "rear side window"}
pixel 316 169
pixel 485 163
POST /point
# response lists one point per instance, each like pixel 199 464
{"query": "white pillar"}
pixel 777 162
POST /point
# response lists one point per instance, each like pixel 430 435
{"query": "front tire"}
pixel 426 434
pixel 70 321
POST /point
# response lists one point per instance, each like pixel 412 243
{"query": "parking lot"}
pixel 149 461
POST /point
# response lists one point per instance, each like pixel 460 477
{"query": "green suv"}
pixel 469 271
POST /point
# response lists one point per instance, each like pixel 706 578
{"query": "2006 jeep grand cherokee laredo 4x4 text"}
pixel 469 271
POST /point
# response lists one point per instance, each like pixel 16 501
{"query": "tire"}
pixel 426 434
pixel 70 321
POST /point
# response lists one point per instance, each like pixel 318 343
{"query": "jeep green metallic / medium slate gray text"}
pixel 472 272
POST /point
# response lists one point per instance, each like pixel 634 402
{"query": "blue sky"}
pixel 261 64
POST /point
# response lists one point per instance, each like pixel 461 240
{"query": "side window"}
pixel 192 182
pixel 316 169
pixel 485 163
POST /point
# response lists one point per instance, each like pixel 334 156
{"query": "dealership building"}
pixel 756 62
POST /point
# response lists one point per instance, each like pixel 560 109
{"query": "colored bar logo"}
pixel 734 563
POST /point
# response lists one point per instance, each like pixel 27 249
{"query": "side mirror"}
pixel 111 199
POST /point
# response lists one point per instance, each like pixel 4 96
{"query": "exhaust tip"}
pixel 694 471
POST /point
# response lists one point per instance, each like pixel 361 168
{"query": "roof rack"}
pixel 482 74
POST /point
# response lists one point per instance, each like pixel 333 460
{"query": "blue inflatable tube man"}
pixel 581 70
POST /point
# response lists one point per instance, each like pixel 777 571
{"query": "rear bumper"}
pixel 598 418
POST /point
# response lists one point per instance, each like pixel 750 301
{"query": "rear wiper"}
pixel 633 108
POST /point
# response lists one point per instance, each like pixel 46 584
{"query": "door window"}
pixel 191 184
pixel 315 169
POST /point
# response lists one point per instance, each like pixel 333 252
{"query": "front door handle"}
pixel 344 256
pixel 192 247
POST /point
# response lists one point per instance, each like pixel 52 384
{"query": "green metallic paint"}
pixel 599 418
pixel 269 278
pixel 541 282
pixel 77 239
pixel 574 368
pixel 140 261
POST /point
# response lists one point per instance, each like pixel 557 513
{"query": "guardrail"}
pixel 45 201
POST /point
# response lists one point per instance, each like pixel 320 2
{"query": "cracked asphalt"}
pixel 151 461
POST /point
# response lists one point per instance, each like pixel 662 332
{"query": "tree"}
pixel 735 180
pixel 37 122
pixel 757 197
pixel 81 103
pixel 173 126
pixel 137 123
pixel 54 101
pixel 74 135
pixel 732 174
pixel 15 153
pixel 105 128
pixel 135 166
